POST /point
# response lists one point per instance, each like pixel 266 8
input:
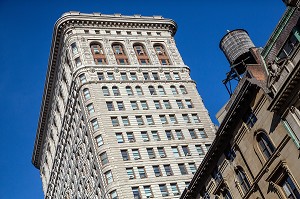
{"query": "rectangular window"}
pixel 168 76
pixel 179 104
pixel 130 137
pixel 108 177
pixel 202 133
pixel 120 106
pixel 290 44
pixel 134 105
pixel 176 76
pixel 125 121
pixel 179 134
pixel 136 193
pixel 289 188
pixel 95 124
pixel 136 154
pixel 207 146
pixel 196 118
pixel 157 104
pixel 155 135
pixel 186 118
pixel 163 190
pixel 82 78
pixel 104 159
pixel 120 138
pixel 139 120
pixel 161 152
pixel 163 119
pixel 145 136
pixel 189 103
pixel 149 120
pixel 97 32
pixel 250 118
pixel 130 173
pixel 186 150
pixel 90 108
pixel 182 169
pixel 151 153
pixel 193 167
pixel 124 76
pixel 155 76
pixel 113 195
pixel 192 133
pixel 148 191
pixel 142 172
pixel 110 106
pixel 125 154
pixel 169 135
pixel 199 150
pixel 99 140
pixel 156 170
pixel 146 76
pixel 173 119
pixel 144 105
pixel 110 76
pixel 167 104
pixel 74 48
pixel 133 76
pixel 78 61
pixel 175 151
pixel 174 189
pixel 114 121
pixel 100 76
pixel 168 170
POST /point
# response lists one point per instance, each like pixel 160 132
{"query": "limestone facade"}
pixel 121 116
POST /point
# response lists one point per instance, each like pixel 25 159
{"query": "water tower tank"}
pixel 235 45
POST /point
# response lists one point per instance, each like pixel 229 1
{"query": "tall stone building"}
pixel 121 116
pixel 256 151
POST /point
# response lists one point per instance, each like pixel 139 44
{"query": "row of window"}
pixel 144 135
pixel 158 172
pixel 140 120
pixel 151 153
pixel 123 32
pixel 149 193
pixel 121 55
pixel 143 105
pixel 146 76
pixel 139 91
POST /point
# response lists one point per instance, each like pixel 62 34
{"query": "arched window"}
pixel 162 54
pixel 141 54
pixel 120 54
pixel 161 90
pixel 129 90
pixel 116 91
pixel 243 180
pixel 86 93
pixel 98 54
pixel 182 89
pixel 105 91
pixel 152 90
pixel 139 90
pixel 265 145
pixel 174 90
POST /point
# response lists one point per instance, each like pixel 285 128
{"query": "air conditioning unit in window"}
pixel 169 174
pixel 188 154
pixel 131 177
pixel 162 156
pixel 150 196
pixel 131 140
pixel 180 138
pixel 136 158
pixel 145 139
pixel 165 194
pixel 176 194
pixel 151 156
pixel 157 174
pixel 125 159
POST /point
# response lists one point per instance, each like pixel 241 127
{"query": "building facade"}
pixel 256 150
pixel 121 116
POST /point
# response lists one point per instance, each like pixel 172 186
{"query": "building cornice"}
pixel 76 20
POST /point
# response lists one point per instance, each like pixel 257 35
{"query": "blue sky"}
pixel 26 32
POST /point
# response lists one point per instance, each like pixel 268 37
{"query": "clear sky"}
pixel 26 32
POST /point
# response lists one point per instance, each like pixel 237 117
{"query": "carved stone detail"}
pixel 174 52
